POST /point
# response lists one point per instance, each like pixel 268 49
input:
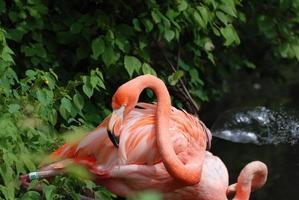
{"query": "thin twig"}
pixel 178 58
pixel 185 90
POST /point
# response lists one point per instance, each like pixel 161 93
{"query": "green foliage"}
pixel 281 32
pixel 147 195
pixel 132 64
pixel 61 61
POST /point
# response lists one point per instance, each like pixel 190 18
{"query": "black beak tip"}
pixel 113 138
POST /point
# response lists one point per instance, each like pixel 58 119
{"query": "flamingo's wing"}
pixel 137 143
pixel 137 139
pixel 95 147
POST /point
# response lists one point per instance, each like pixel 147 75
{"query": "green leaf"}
pixel 37 36
pixel 175 77
pixel 104 195
pixel 89 184
pixel 216 31
pixel 49 191
pixel 198 19
pixel 201 16
pixel 199 93
pixel 33 184
pixel 132 64
pixel 66 104
pixel 143 42
pixel 100 78
pixel 67 108
pixel 6 54
pixel 31 195
pixel 28 51
pixel 49 80
pixel 94 81
pixel 172 14
pixel 296 51
pixel 17 33
pixel 44 96
pixel 13 16
pixel 110 56
pixel 136 25
pixel 209 46
pixel 249 64
pixel 148 25
pixel 87 88
pixel 166 22
pixel 76 27
pixel 267 27
pixel 13 108
pixel 98 47
pixel 123 44
pixel 53 74
pixel 28 162
pixel 184 65
pixel 228 7
pixel 147 69
pixel 182 5
pixel 169 35
pixel 204 13
pixel 78 101
pixel 225 19
pixel 147 195
pixel 110 35
pixel 156 16
pixel 63 112
pixel 30 73
pixel 8 191
pixel 211 58
pixel 195 77
pixel 285 50
pixel 40 50
pixel 52 116
pixel 230 35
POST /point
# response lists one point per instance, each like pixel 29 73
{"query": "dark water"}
pixel 272 129
pixel 270 136
pixel 282 162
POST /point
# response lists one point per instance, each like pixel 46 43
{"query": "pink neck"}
pixel 188 174
pixel 253 176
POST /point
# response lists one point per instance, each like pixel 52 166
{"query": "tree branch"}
pixel 184 89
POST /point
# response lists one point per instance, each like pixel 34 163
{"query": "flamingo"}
pixel 143 146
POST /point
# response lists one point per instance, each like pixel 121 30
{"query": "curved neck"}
pixel 187 174
pixel 243 192
pixel 253 176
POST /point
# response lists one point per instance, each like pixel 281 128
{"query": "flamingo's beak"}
pixel 114 124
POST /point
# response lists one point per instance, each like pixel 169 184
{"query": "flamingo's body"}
pixel 137 150
pixel 159 147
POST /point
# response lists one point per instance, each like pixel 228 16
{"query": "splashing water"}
pixel 258 125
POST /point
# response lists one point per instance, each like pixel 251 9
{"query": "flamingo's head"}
pixel 123 101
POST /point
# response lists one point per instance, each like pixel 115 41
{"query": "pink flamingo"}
pixel 153 147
